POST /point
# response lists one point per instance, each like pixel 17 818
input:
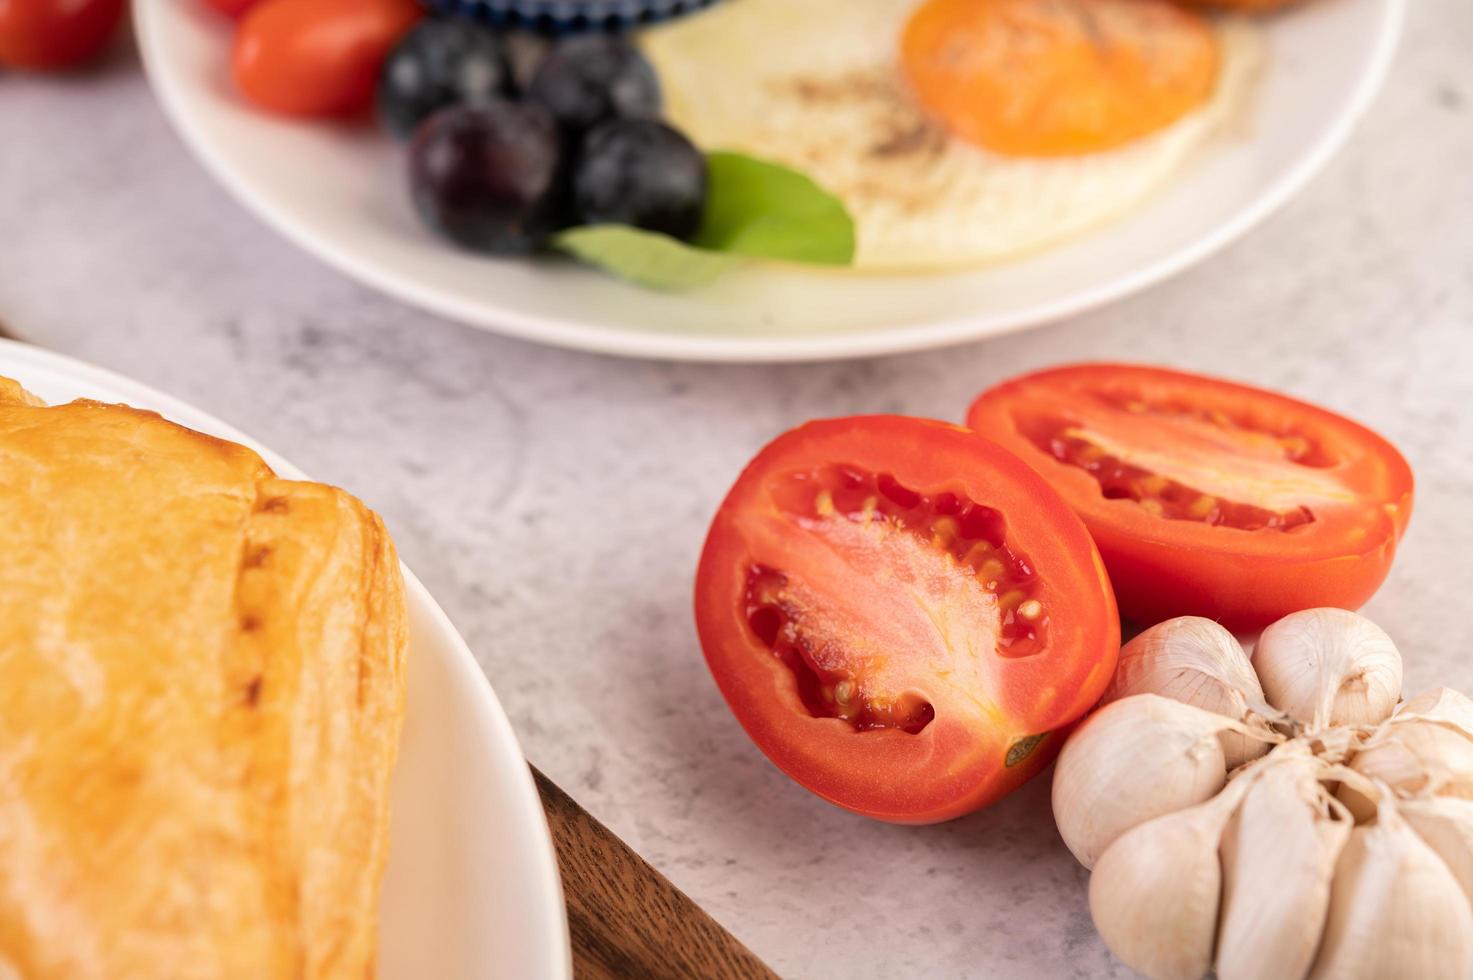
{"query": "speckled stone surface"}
pixel 555 502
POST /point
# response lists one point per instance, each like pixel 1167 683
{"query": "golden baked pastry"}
pixel 201 693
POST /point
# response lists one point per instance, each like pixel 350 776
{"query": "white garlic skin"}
pixel 1445 824
pixel 1130 761
pixel 1396 911
pixel 1155 892
pixel 1359 794
pixel 1442 705
pixel 1195 661
pixel 1329 667
pixel 1278 858
pixel 1413 754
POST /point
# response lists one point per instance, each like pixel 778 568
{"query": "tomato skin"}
pixel 231 8
pixel 317 57
pixel 1244 579
pixel 45 35
pixel 958 762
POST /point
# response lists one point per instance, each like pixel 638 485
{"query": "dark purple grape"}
pixel 440 63
pixel 640 172
pixel 587 79
pixel 488 176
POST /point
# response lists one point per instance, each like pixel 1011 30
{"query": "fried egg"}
pixel 947 144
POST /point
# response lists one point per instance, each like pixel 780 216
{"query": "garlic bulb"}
pixel 1197 662
pixel 1154 894
pixel 1276 815
pixel 1446 825
pixel 1329 667
pixel 1278 858
pixel 1396 911
pixel 1133 760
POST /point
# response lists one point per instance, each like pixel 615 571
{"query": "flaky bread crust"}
pixel 202 681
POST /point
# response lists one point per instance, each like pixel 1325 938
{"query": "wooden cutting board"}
pixel 625 918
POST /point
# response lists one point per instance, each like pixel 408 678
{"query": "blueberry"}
pixel 587 79
pixel 488 176
pixel 640 172
pixel 438 64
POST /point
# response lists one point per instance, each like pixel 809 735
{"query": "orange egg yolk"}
pixel 1057 77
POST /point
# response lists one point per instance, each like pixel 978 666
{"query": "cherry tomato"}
pixel 50 34
pixel 317 57
pixel 903 615
pixel 231 8
pixel 1207 497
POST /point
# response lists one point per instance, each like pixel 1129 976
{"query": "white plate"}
pixel 472 887
pixel 340 193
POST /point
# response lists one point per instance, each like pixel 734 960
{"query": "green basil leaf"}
pixel 768 211
pixel 753 208
pixel 648 258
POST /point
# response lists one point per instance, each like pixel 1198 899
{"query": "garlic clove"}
pixel 1446 825
pixel 1329 667
pixel 1415 755
pixel 1392 763
pixel 1197 662
pixel 1442 705
pixel 1155 892
pixel 1396 911
pixel 1278 858
pixel 1133 760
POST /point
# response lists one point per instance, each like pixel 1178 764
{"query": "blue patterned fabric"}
pixel 568 16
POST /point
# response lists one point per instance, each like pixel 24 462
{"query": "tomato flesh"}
pixel 829 682
pixel 832 681
pixel 900 613
pixel 1207 497
pixel 1157 494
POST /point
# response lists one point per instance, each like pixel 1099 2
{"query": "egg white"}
pixel 817 85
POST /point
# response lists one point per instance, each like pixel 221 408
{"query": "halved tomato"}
pixel 902 615
pixel 1207 497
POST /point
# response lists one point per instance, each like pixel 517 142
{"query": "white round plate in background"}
pixel 340 192
pixel 472 888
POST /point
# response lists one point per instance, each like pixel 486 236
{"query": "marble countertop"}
pixel 555 502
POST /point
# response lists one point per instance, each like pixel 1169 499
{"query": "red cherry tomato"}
pixel 231 8
pixel 50 34
pixel 903 615
pixel 317 57
pixel 1206 497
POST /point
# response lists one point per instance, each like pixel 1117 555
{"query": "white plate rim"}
pixel 490 714
pixel 900 338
